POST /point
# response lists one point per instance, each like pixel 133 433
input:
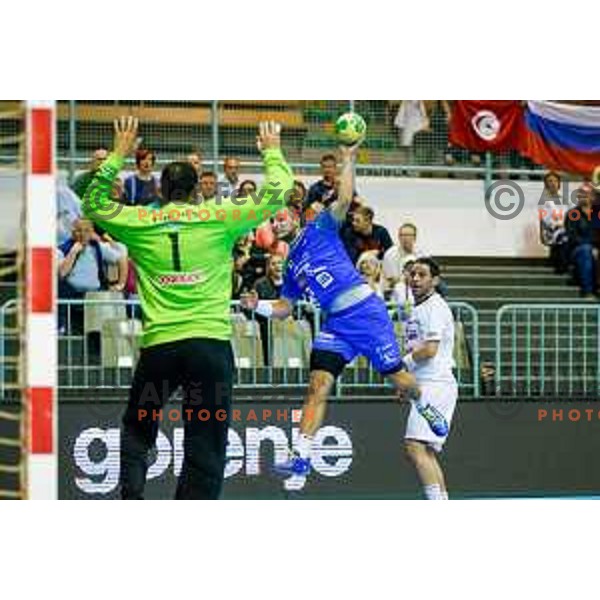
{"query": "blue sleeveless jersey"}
pixel 318 263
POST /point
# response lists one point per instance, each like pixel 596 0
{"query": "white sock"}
pixel 445 496
pixel 303 445
pixel 433 492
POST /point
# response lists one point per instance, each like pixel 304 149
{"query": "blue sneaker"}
pixel 295 465
pixel 435 419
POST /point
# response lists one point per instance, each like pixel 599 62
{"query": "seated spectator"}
pixel 231 178
pixel 142 187
pixel 247 188
pixel 208 186
pixel 365 235
pixel 596 226
pixel 579 228
pixel 81 182
pixel 118 273
pixel 323 191
pixel 552 229
pixel 369 266
pixel 195 159
pixel 255 265
pixel 269 286
pixel 239 283
pixel 396 257
pixel 296 202
pixel 402 295
pixel 82 261
pixel 487 373
pixel 68 211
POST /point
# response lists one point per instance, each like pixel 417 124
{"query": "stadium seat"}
pixel 121 340
pixel 96 314
pixel 290 343
pixel 246 342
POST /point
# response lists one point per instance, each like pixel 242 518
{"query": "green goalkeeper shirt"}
pixel 183 252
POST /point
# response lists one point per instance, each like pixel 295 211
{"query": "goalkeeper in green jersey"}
pixel 182 253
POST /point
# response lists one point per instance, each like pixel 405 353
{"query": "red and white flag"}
pixel 482 125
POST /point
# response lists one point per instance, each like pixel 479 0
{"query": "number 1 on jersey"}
pixel 174 237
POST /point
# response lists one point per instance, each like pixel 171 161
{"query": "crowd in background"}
pixel 572 234
pixel 89 260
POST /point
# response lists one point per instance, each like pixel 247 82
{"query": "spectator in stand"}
pixel 208 186
pixel 231 178
pixel 239 283
pixel 247 188
pixel 82 262
pixel 142 187
pixel 81 182
pixel 323 193
pixel 552 228
pixel 431 143
pixel 195 159
pixel 396 257
pixel 255 265
pixel 296 202
pixel 68 211
pixel 402 294
pixel 596 222
pixel 365 235
pixel 116 273
pixel 410 119
pixel 369 266
pixel 578 224
pixel 269 288
pixel 324 190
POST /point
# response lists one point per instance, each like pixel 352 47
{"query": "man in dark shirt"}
pixel 269 288
pixel 81 182
pixel 579 228
pixel 323 191
pixel 365 235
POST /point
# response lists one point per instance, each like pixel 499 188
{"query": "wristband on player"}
pixel 409 362
pixel 264 308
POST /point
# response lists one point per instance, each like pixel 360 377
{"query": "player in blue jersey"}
pixel 357 321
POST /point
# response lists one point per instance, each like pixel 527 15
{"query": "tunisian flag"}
pixel 481 125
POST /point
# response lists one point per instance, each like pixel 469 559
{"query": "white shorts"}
pixel 441 395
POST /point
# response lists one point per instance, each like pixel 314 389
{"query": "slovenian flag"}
pixel 563 137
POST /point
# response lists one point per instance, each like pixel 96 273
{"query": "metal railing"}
pixel 548 350
pixel 220 128
pixel 100 340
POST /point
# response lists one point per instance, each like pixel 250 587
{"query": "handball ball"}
pixel 350 128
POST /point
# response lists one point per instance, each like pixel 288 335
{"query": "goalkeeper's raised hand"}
pixel 126 136
pixel 269 135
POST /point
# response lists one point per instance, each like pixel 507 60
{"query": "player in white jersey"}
pixel 430 359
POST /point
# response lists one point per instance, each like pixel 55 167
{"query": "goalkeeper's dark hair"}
pixel 178 181
pixel 434 268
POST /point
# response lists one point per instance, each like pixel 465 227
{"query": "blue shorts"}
pixel 364 328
